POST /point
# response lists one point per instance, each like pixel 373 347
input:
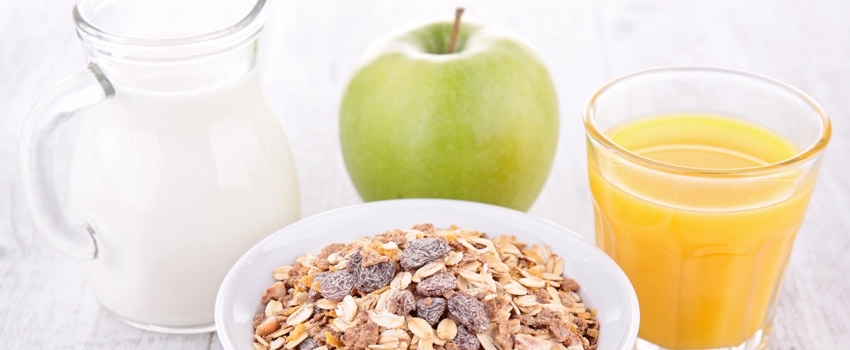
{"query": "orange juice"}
pixel 705 252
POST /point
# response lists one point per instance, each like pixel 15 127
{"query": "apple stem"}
pixel 455 29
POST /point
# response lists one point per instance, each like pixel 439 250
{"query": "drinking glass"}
pixel 705 248
pixel 179 164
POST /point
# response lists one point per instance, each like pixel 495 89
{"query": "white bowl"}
pixel 603 285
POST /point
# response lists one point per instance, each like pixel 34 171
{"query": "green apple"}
pixel 480 123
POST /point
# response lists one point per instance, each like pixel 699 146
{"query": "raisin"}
pixel 465 340
pixel 469 312
pixel 372 278
pixel 307 344
pixel 335 285
pixel 437 284
pixel 419 252
pixel 402 302
pixel 354 263
pixel 431 309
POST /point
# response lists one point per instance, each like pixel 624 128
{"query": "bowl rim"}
pixel 227 342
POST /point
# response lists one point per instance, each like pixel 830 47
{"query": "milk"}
pixel 177 185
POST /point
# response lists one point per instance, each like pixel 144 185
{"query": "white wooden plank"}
pixel 313 47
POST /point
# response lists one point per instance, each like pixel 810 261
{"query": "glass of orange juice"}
pixel 700 180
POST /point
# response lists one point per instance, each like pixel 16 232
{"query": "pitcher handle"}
pixel 40 133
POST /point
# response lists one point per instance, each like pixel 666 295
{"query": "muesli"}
pixel 425 288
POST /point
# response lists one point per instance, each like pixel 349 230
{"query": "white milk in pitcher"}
pixel 177 186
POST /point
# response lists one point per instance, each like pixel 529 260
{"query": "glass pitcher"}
pixel 179 165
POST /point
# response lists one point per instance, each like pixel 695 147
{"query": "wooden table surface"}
pixel 44 303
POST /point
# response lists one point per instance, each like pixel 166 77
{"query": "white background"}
pixel 314 45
